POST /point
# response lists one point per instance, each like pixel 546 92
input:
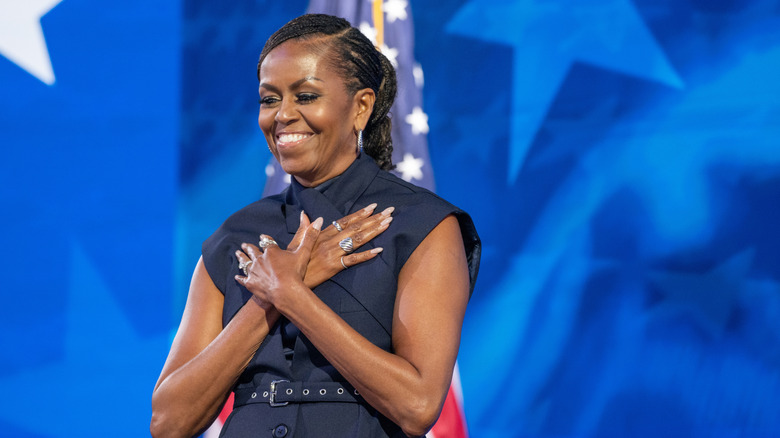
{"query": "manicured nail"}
pixel 387 211
pixel 376 250
pixel 317 224
pixel 301 218
pixel 385 221
pixel 369 208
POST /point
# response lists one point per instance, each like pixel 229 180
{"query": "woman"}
pixel 317 340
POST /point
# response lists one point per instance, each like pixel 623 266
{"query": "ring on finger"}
pixel 337 226
pixel 243 266
pixel 342 263
pixel 266 241
pixel 347 245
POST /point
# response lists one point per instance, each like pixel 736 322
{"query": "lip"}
pixel 286 139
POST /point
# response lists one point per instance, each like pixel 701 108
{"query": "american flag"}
pixel 393 33
pixel 388 24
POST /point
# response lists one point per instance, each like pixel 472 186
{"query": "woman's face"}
pixel 306 114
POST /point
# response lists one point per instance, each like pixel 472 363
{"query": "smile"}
pixel 290 139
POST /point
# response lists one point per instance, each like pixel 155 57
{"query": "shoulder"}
pixel 256 212
pixel 388 185
pixel 242 226
pixel 418 212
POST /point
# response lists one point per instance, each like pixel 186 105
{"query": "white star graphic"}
pixel 419 121
pixel 391 54
pixel 369 31
pixel 410 168
pixel 21 36
pixel 396 10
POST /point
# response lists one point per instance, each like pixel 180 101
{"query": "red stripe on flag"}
pixel 451 423
pixel 227 409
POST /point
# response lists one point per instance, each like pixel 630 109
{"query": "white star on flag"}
pixel 391 54
pixel 419 78
pixel 395 10
pixel 410 168
pixel 369 31
pixel 21 36
pixel 419 121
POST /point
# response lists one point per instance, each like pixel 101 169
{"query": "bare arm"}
pixel 409 385
pixel 205 361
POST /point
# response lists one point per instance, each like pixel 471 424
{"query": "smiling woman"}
pixel 310 120
pixel 319 339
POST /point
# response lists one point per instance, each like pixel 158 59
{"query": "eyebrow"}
pixel 295 84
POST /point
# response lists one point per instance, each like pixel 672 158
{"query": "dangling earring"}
pixel 360 140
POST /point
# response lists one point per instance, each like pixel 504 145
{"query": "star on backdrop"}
pixel 710 299
pixel 607 33
pixel 103 353
pixel 21 36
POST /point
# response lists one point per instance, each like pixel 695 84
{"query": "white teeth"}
pixel 289 138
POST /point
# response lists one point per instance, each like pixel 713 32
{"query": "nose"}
pixel 286 112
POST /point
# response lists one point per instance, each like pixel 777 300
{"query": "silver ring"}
pixel 342 262
pixel 243 266
pixel 266 241
pixel 346 245
pixel 337 226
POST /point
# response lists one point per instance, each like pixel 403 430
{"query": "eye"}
pixel 306 97
pixel 268 100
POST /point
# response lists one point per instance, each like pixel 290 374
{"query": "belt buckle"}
pixel 272 399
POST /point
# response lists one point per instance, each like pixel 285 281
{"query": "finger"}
pixel 252 251
pixel 363 213
pixel 241 256
pixel 357 258
pixel 241 279
pixel 374 227
pixel 271 244
pixel 304 222
pixel 309 238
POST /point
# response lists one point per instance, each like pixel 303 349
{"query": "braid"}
pixel 361 66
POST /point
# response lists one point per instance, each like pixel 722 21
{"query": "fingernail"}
pixel 317 224
pixel 387 211
pixel 370 207
pixel 376 250
pixel 385 221
pixel 301 218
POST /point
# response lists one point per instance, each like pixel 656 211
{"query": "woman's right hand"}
pixel 327 256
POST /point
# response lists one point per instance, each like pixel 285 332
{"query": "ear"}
pixel 364 105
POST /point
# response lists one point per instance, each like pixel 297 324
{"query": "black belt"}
pixel 283 392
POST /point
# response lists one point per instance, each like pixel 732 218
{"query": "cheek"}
pixel 265 121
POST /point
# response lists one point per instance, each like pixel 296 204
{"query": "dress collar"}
pixel 338 198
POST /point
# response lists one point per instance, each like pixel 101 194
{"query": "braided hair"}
pixel 358 62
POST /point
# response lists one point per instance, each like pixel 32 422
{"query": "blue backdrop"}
pixel 620 158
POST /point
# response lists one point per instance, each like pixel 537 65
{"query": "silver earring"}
pixel 360 140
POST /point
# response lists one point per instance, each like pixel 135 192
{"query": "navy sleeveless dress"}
pixel 289 389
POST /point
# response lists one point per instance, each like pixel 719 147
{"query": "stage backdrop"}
pixel 621 159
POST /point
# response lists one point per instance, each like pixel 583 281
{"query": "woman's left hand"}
pixel 273 270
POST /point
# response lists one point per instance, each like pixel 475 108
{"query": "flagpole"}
pixel 379 23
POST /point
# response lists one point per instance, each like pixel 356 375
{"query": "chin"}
pixel 293 167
